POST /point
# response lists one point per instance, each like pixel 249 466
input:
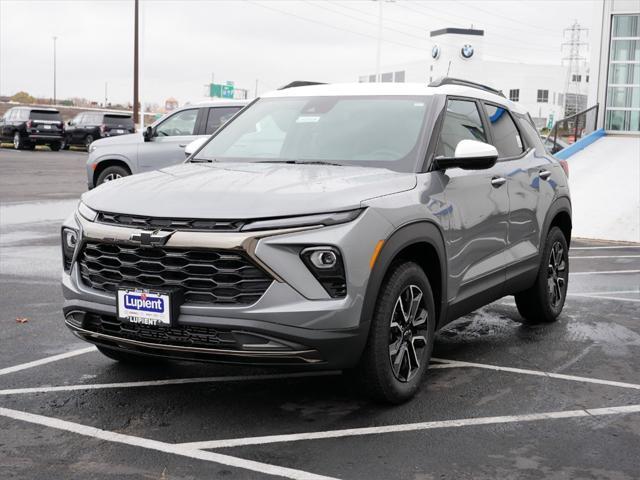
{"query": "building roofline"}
pixel 457 31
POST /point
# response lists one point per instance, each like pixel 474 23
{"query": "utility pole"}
pixel 136 117
pixel 54 69
pixel 105 93
pixel 573 60
pixel 379 49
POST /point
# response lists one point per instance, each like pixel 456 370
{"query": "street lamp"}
pixel 54 69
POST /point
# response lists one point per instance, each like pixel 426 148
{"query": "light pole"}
pixel 54 69
pixel 135 64
pixel 379 50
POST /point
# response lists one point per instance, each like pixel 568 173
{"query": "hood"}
pixel 245 190
pixel 129 139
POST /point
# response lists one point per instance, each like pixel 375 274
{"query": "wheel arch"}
pixel 421 242
pixel 110 162
pixel 558 215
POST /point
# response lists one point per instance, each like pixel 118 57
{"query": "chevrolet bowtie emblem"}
pixel 156 238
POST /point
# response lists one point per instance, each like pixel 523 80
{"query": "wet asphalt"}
pixel 596 337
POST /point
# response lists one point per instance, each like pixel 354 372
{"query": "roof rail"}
pixel 464 83
pixel 300 83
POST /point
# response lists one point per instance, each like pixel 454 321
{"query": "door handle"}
pixel 544 174
pixel 498 181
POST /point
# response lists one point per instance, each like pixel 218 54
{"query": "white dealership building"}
pixel 461 53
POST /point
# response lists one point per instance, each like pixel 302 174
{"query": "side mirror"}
pixel 148 134
pixel 194 146
pixel 470 155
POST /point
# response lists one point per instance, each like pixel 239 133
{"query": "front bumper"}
pixel 294 322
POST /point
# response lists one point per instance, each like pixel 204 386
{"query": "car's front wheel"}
pixel 88 141
pixel 543 302
pixel 400 336
pixel 18 141
pixel 112 173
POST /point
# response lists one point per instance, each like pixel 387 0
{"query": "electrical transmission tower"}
pixel 574 61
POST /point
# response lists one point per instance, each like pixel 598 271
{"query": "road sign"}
pixel 220 91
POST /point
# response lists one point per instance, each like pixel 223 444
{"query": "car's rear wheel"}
pixel 56 146
pixel 123 357
pixel 88 141
pixel 400 337
pixel 112 173
pixel 543 302
pixel 18 141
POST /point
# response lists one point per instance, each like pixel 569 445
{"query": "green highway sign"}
pixel 221 91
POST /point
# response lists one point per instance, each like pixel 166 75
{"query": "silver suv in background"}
pixel 159 145
pixel 327 226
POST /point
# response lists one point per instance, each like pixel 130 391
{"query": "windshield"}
pixel 360 130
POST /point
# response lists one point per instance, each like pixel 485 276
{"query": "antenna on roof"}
pixel 300 83
pixel 464 83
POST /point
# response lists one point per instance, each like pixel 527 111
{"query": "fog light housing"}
pixel 69 244
pixel 325 263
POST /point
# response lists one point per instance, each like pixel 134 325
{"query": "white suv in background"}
pixel 160 144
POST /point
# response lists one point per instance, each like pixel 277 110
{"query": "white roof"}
pixel 220 102
pixel 389 89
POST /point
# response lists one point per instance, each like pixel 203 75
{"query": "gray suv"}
pixel 330 226
pixel 159 145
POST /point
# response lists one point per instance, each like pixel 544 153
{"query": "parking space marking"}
pixel 612 247
pixel 264 468
pixel 540 373
pixel 590 257
pixel 408 427
pixel 172 381
pixel 44 361
pixel 605 272
pixel 604 297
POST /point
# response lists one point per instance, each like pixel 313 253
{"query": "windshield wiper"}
pixel 302 162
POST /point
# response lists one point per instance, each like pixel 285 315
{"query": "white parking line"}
pixel 263 468
pixel 613 247
pixel 539 373
pixel 605 272
pixel 604 297
pixel 465 422
pixel 157 383
pixel 43 361
pixel 589 257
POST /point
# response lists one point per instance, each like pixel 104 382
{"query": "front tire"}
pixel 543 302
pixel 88 141
pixel 18 142
pixel 112 173
pixel 400 337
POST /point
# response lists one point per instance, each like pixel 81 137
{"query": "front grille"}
pixel 183 335
pixel 139 221
pixel 226 277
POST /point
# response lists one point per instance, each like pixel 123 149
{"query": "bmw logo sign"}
pixel 435 52
pixel 466 51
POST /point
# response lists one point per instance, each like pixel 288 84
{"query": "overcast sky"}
pixel 184 42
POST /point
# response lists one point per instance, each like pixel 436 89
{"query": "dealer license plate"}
pixel 145 307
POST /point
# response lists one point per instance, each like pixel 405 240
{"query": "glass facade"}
pixel 623 81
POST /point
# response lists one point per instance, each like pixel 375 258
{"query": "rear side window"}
pixel 461 122
pixel 118 120
pixel 218 116
pixel 506 137
pixel 45 115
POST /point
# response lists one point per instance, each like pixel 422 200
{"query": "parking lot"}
pixel 501 400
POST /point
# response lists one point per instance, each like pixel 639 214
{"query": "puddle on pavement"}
pixel 30 212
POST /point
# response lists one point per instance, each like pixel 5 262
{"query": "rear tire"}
pixel 123 357
pixel 543 302
pixel 401 335
pixel 18 141
pixel 56 146
pixel 112 173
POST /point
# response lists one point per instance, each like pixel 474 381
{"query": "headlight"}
pixel 69 244
pixel 86 212
pixel 325 263
pixel 324 219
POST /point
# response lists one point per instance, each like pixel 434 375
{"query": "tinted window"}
pixel 461 122
pixel 219 116
pixel 111 120
pixel 44 115
pixel 506 137
pixel 182 123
